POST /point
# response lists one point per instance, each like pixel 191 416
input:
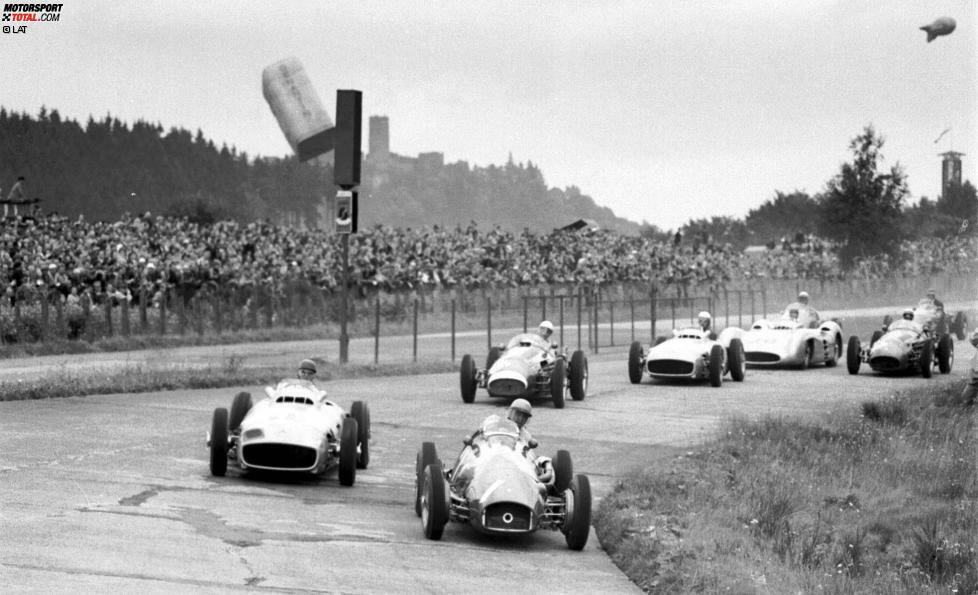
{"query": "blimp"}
pixel 942 26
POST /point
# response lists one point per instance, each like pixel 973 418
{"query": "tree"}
pixel 959 203
pixel 861 208
pixel 786 215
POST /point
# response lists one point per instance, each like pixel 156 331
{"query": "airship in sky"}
pixel 942 26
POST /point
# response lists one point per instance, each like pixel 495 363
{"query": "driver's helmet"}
pixel 932 294
pixel 703 319
pixel 803 297
pixel 520 412
pixel 545 329
pixel 908 314
pixel 307 369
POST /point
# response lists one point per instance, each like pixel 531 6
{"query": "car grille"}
pixel 507 516
pixel 279 456
pixel 761 357
pixel 884 363
pixel 506 387
pixel 671 366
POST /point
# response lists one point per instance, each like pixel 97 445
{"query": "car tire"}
pixel 426 456
pixel 716 365
pixel 578 376
pixel 837 348
pixel 239 409
pixel 557 383
pixel 927 359
pixel 577 522
pixel 360 412
pixel 563 471
pixel 806 357
pixel 348 452
pixel 434 502
pixel 219 442
pixel 853 357
pixel 494 353
pixel 737 360
pixel 467 379
pixel 876 337
pixel 945 354
pixel 635 362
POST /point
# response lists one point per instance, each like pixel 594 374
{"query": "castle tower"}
pixel 950 169
pixel 380 139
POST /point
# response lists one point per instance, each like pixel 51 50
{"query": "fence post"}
pixel 124 318
pixel 143 316
pixel 489 322
pixel 526 310
pixel 453 330
pixel 181 315
pixel 597 301
pixel 414 332
pixel 377 330
pixel 561 321
pixel 45 314
pixel 611 321
pixel 216 305
pixel 653 299
pixel 108 316
pixel 580 306
pixel 59 317
pixel 164 296
pixel 631 307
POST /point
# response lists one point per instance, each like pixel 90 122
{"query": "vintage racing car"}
pixel 936 320
pixel 690 353
pixel 295 429
pixel 797 339
pixel 496 486
pixel 528 366
pixel 904 347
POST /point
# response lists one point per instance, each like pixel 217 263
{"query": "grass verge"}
pixel 138 378
pixel 882 499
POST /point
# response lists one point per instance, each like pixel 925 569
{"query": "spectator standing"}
pixel 16 195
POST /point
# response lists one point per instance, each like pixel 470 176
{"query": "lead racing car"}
pixel 690 353
pixel 797 339
pixel 294 429
pixel 905 346
pixel 527 366
pixel 499 488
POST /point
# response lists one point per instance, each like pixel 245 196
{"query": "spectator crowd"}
pixel 145 255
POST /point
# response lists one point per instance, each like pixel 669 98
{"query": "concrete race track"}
pixel 114 493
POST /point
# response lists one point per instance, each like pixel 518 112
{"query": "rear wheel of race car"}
pixel 737 360
pixel 219 442
pixel 557 382
pixel 927 359
pixel 348 452
pixel 578 376
pixel 853 357
pixel 876 336
pixel 635 363
pixel 806 357
pixel 434 502
pixel 563 471
pixel 494 353
pixel 239 409
pixel 577 522
pixel 945 354
pixel 716 365
pixel 426 456
pixel 360 412
pixel 834 360
pixel 467 378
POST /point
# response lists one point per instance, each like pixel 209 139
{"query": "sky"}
pixel 662 111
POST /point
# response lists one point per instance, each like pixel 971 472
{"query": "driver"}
pixel 812 312
pixel 906 321
pixel 941 320
pixel 704 320
pixel 307 370
pixel 519 413
pixel 545 330
pixel 969 396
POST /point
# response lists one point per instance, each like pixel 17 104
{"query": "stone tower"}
pixel 950 169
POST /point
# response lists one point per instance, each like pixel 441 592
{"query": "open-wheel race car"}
pixel 796 339
pixel 905 346
pixel 497 487
pixel 295 429
pixel 936 321
pixel 690 353
pixel 526 367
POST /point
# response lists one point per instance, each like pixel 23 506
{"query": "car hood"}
pixel 503 474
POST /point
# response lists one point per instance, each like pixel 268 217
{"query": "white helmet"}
pixel 803 295
pixel 704 314
pixel 522 405
pixel 546 324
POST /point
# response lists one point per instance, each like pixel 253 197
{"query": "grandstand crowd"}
pixel 146 254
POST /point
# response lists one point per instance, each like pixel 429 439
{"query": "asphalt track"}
pixel 113 492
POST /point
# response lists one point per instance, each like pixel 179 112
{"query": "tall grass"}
pixel 881 499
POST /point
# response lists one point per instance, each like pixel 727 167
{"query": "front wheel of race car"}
pixel 945 354
pixel 737 360
pixel 434 502
pixel 360 412
pixel 348 452
pixel 635 363
pixel 853 357
pixel 563 470
pixel 577 522
pixel 239 409
pixel 557 382
pixel 806 356
pixel 426 456
pixel 467 378
pixel 927 359
pixel 219 442
pixel 578 376
pixel 832 361
pixel 716 365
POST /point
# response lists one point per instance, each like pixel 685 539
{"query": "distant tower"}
pixel 380 136
pixel 950 169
